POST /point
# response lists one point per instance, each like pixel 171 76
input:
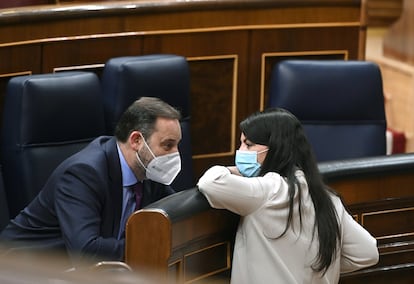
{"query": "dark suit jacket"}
pixel 80 206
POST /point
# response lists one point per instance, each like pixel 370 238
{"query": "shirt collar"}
pixel 128 176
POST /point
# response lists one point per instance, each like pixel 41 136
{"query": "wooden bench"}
pixel 182 239
pixel 379 192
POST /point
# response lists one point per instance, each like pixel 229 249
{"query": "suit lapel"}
pixel 115 183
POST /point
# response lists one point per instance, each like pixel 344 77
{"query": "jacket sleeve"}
pixel 359 248
pixel 238 194
pixel 79 201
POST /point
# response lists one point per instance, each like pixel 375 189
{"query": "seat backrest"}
pixel 340 104
pixel 46 118
pixel 166 76
pixel 4 208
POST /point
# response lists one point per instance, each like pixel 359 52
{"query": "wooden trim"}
pixel 47 12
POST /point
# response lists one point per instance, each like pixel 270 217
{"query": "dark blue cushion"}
pixel 47 117
pixel 340 103
pixel 4 208
pixel 166 76
pixel 126 79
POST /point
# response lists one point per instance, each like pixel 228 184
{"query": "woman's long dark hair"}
pixel 289 150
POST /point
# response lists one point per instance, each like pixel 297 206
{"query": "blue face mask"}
pixel 246 163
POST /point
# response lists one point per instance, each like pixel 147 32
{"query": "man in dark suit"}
pixel 85 203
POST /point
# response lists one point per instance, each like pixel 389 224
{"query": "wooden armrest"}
pixel 334 170
pixel 111 266
pixel 181 237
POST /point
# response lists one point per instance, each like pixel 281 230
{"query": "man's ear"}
pixel 135 140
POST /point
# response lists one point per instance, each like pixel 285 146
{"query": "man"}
pixel 85 203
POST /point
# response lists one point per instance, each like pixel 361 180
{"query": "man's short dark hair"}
pixel 142 115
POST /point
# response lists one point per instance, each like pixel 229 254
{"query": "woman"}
pixel 293 229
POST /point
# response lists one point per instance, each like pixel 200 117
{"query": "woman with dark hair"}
pixel 293 228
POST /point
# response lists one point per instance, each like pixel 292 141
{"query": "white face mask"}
pixel 163 169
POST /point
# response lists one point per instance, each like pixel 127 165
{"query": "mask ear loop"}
pixel 139 160
pixel 149 149
pixel 265 150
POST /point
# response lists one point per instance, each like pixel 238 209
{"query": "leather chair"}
pixel 47 117
pixel 166 76
pixel 4 209
pixel 340 104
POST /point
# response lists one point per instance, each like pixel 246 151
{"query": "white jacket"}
pixel 259 256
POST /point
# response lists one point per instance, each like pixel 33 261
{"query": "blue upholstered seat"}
pixel 340 104
pixel 166 76
pixel 4 208
pixel 46 118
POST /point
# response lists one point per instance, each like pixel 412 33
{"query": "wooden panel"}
pixel 17 61
pixel 383 13
pixel 21 3
pixel 202 246
pixel 208 75
pixel 379 12
pixel 215 258
pixel 393 275
pixel 175 272
pixel 21 58
pixel 375 187
pixel 158 16
pixel 383 203
pixel 73 53
pixel 157 235
pixel 196 247
pixel 201 226
pixel 389 223
pixel 396 254
pixel 201 239
pixel 293 42
pixel 224 41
